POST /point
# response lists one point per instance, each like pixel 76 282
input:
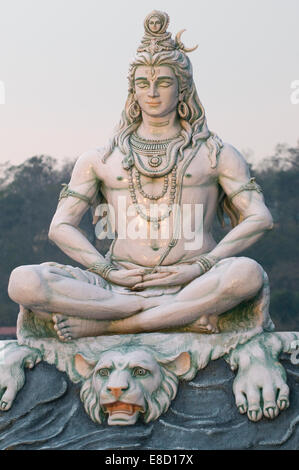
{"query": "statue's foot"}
pixel 69 328
pixel 205 324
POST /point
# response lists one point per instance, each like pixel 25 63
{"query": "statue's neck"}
pixel 164 127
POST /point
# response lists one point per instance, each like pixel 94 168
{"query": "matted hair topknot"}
pixel 156 38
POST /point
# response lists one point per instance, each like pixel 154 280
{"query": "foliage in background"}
pixel 28 198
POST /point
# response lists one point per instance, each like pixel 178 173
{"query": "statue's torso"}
pixel 199 193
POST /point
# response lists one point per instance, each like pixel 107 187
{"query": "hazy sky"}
pixel 64 65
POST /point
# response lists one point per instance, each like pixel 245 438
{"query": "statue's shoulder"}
pixel 91 158
pixel 230 160
pixel 100 161
pixel 88 165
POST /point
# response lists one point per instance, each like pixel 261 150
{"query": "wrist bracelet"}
pixel 206 263
pixel 103 269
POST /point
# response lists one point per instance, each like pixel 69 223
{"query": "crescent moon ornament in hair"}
pixel 180 45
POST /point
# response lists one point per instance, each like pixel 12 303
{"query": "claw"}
pixel 241 409
pixel 253 415
pixel 3 405
pixel 283 404
pixel 271 412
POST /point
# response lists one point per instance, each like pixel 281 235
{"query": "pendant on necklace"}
pixel 155 161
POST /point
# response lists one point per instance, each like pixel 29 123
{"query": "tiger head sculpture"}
pixel 126 383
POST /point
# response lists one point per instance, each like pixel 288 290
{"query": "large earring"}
pixel 134 110
pixel 183 110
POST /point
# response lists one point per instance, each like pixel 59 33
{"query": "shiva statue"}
pixel 163 172
pixel 161 154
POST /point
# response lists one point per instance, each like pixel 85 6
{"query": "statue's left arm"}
pixel 244 194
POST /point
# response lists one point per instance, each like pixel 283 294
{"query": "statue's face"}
pixel 156 90
pixel 154 24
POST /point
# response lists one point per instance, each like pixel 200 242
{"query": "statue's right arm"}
pixel 64 229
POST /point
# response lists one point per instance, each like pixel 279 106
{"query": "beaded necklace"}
pixel 156 152
pixel 177 182
pixel 154 220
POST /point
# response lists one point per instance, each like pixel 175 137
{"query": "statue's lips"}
pixel 121 407
pixel 153 104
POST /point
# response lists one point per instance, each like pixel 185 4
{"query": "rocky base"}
pixel 48 414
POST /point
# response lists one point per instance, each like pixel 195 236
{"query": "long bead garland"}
pixel 147 217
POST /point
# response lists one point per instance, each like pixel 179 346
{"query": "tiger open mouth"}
pixel 121 407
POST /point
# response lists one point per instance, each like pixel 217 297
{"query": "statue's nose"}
pixel 117 391
pixel 153 92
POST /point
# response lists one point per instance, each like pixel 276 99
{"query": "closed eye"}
pixel 142 84
pixel 165 83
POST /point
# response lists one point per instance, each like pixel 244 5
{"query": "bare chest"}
pixel 196 178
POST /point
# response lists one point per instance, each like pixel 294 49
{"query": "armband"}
pixel 251 185
pixel 66 192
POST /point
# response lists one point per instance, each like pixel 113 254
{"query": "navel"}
pixel 155 248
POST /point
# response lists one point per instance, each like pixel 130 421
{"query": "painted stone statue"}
pixel 166 299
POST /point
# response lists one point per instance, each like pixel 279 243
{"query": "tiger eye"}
pixel 105 372
pixel 119 178
pixel 188 175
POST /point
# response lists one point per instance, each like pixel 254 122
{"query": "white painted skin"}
pixel 83 309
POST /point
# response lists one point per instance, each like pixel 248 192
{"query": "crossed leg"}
pixel 50 288
pixel 92 310
pixel 198 304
